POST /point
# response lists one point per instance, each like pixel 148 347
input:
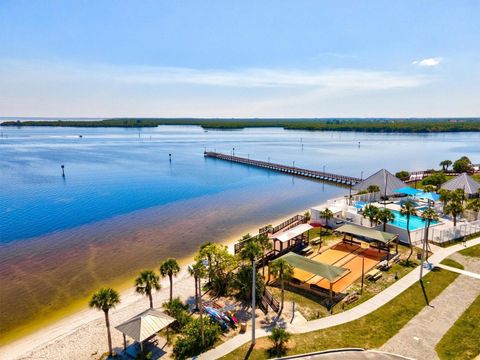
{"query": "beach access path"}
pixel 355 313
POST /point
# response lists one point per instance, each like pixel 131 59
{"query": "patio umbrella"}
pixel 430 196
pixel 408 191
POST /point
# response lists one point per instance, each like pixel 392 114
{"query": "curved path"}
pixel 357 312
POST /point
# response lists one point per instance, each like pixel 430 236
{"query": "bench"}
pixel 374 275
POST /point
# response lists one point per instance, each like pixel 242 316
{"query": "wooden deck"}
pixel 312 174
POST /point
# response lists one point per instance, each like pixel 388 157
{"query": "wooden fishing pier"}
pixel 296 171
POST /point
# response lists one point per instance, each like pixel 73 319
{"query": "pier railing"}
pixel 313 174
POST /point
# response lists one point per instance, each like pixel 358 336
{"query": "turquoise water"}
pixel 416 222
pixel 111 172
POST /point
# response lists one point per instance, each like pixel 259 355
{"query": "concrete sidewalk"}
pixel 419 337
pixel 357 312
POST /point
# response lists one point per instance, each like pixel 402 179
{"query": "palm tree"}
pixel 283 271
pixel 474 205
pixel 445 195
pixel 408 209
pixel 454 208
pixel 428 216
pixel 197 270
pixel 250 250
pixel 170 268
pixel 105 299
pixel 306 214
pixel 429 188
pixel 265 244
pixel 326 214
pixel 373 188
pixel 370 212
pixel 458 195
pixel 384 216
pixel 279 337
pixel 445 164
pixel 146 282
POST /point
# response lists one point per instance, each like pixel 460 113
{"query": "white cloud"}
pixel 428 62
pixel 338 79
pixel 53 88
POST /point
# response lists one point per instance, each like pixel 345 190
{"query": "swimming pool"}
pixel 416 222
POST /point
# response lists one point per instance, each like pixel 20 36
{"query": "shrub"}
pixel 403 175
pixel 189 343
pixel 178 310
pixel 435 179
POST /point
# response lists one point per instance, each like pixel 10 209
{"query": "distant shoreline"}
pixel 378 125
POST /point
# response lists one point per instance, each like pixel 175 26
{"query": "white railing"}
pixel 444 235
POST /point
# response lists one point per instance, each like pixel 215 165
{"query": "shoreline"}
pixel 44 334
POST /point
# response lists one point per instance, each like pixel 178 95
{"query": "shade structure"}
pixel 385 180
pixel 357 230
pixel 145 324
pixel 430 196
pixel 408 191
pixel 293 232
pixel 330 272
pixel 462 181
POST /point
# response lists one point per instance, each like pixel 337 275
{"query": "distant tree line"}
pixel 361 125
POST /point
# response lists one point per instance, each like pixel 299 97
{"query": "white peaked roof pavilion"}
pixel 145 324
pixel 462 181
pixel 294 232
pixel 383 179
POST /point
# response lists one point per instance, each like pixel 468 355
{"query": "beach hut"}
pixel 144 326
pixel 385 180
pixel 465 182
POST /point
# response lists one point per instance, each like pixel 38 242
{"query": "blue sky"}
pixel 240 58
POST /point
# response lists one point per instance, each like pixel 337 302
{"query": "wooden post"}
pixel 253 301
pixel 124 343
pixel 363 272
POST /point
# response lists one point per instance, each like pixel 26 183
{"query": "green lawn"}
pixel 462 341
pixel 452 263
pixel 370 331
pixel 473 251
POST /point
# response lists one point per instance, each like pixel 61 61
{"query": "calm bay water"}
pixel 122 196
pixel 116 171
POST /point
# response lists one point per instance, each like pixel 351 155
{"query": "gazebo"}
pixel 144 326
pixel 462 181
pixel 383 239
pixel 291 237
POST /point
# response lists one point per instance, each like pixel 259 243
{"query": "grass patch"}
pixel 473 251
pixel 309 304
pixel 462 341
pixel 452 263
pixel 370 331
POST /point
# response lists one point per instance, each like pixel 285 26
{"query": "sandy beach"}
pixel 83 335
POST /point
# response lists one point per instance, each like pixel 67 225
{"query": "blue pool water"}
pixel 416 222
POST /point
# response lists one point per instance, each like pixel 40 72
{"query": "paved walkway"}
pixel 418 338
pixel 422 333
pixel 347 316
